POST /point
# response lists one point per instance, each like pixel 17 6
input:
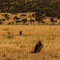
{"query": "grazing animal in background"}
pixel 38 47
pixel 20 32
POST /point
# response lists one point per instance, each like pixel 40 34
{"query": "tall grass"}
pixel 21 46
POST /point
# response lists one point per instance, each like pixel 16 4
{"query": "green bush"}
pixel 24 21
pixel 7 16
pixel 16 18
pixel 23 15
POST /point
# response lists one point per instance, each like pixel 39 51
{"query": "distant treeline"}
pixel 49 7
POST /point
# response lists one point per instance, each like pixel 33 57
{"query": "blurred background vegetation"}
pixel 49 7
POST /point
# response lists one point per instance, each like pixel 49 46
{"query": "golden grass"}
pixel 13 46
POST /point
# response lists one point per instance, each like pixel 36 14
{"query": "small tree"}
pixel 18 22
pixel 31 21
pixel 16 18
pixel 23 15
pixel 42 22
pixel 3 20
pixel 53 21
pixel 7 16
pixel 39 17
pixel 24 21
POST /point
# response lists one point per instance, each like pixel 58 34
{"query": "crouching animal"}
pixel 20 32
pixel 38 47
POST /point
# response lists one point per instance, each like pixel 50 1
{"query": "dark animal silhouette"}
pixel 20 32
pixel 38 47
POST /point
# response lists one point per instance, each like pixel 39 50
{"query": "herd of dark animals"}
pixel 38 46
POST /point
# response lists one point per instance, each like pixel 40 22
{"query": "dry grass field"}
pixel 16 47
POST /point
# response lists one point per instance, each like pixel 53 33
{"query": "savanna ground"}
pixel 16 47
